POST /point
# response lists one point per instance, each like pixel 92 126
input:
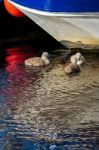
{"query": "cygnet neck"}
pixel 45 59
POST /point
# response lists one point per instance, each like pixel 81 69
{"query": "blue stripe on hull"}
pixel 61 5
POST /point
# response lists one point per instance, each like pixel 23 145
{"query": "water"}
pixel 43 108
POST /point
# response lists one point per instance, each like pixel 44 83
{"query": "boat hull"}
pixel 66 26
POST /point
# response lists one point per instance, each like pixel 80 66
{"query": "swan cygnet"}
pixel 79 57
pixel 72 68
pixel 38 61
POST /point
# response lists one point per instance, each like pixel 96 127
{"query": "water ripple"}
pixel 46 109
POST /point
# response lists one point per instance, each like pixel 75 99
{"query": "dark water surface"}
pixel 43 108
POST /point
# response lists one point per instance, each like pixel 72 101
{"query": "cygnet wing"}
pixel 37 61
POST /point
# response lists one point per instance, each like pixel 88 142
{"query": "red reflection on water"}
pixel 17 55
pixel 18 75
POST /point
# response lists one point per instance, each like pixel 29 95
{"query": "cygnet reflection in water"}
pixel 38 61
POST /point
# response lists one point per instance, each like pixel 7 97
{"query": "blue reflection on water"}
pixel 24 144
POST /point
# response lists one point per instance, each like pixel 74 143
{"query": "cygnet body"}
pixel 72 68
pixel 38 61
pixel 79 58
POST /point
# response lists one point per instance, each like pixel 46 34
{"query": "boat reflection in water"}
pixel 18 75
pixel 44 109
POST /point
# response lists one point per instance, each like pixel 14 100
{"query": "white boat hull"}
pixel 66 27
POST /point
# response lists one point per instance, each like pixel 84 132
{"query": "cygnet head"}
pixel 45 55
pixel 78 55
